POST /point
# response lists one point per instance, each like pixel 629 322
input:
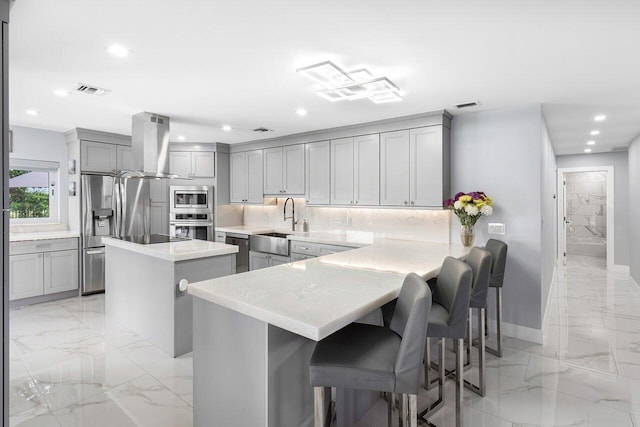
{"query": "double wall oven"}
pixel 191 211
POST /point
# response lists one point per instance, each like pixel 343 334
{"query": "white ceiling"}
pixel 209 63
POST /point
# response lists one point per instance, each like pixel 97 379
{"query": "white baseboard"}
pixel 633 281
pixel 620 268
pixel 551 285
pixel 517 331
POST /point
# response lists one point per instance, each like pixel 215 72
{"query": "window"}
pixel 32 192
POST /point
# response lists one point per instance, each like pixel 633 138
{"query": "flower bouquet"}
pixel 469 207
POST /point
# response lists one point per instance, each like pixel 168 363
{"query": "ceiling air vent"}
pixel 262 129
pixel 91 90
pixel 467 104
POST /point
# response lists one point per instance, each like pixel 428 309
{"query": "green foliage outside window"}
pixel 27 202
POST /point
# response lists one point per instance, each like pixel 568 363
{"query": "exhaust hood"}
pixel 150 146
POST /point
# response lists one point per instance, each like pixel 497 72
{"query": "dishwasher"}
pixel 242 257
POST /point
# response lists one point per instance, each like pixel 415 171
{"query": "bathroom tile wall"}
pixel 586 204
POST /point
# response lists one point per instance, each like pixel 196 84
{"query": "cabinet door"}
pixel 60 271
pixel 366 170
pixel 221 236
pixel 159 221
pixel 25 276
pixel 258 260
pixel 203 164
pixel 158 190
pixel 293 171
pixel 180 163
pixel 273 171
pixel 254 177
pixel 278 260
pixel 124 158
pixel 342 171
pixel 426 166
pixel 97 157
pixel 299 257
pixel 238 179
pixel 394 170
pixel 318 173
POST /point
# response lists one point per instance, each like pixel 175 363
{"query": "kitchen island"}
pixel 254 332
pixel 142 286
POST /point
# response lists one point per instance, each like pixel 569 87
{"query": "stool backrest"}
pixel 498 251
pixel 409 320
pixel 480 262
pixel 453 292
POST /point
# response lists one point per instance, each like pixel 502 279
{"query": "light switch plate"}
pixel 496 228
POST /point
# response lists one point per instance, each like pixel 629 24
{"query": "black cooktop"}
pixel 151 239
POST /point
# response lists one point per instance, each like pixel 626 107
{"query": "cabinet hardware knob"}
pixel 412 202
pixel 356 202
pixel 405 202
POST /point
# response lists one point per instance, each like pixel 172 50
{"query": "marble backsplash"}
pixel 408 224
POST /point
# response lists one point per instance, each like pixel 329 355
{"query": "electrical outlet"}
pixel 496 228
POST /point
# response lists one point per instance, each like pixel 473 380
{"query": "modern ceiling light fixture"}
pixel 594 132
pixel 340 85
pixel 600 118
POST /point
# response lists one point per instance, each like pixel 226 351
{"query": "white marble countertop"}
pixel 175 251
pixel 42 235
pixel 319 296
pixel 246 229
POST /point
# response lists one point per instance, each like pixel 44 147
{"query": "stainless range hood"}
pixel 150 145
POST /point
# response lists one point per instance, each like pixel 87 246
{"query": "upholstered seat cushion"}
pixel 438 322
pixel 358 356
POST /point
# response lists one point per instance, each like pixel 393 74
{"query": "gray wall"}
pixel 634 210
pixel 549 213
pixel 620 162
pixel 499 152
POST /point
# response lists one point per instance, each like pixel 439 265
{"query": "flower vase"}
pixel 467 235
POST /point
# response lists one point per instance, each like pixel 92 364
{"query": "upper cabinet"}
pixel 318 173
pixel 284 170
pixel 98 157
pixel 193 164
pixel 124 158
pixel 355 169
pixel 246 177
pixel 414 167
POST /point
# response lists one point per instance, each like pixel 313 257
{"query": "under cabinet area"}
pixel 42 267
pixel 258 260
pixel 246 177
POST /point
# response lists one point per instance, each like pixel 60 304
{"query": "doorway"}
pixel 586 215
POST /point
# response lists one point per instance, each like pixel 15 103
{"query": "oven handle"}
pixel 192 224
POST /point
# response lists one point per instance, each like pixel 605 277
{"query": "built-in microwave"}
pixel 191 198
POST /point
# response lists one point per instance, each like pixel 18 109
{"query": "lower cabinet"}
pixel 258 260
pixel 304 250
pixel 42 267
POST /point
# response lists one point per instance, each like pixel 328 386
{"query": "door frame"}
pixel 610 189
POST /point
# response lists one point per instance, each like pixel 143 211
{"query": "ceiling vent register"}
pixel 262 129
pixel 340 85
pixel 91 90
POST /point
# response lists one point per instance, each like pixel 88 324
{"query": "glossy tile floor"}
pixel 71 366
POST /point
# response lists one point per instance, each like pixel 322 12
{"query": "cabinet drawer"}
pixel 305 248
pixel 331 249
pixel 49 245
pixel 299 257
pixel 221 236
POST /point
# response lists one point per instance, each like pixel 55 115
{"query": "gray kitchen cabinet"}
pixel 159 190
pixel 394 168
pixel 305 250
pixel 26 275
pixel 98 157
pixel 258 260
pixel 221 236
pixel 299 257
pixel 355 166
pixel 246 177
pixel 158 217
pixel 60 271
pixel 284 170
pixel 124 158
pixel 193 164
pixel 318 173
pixel 42 267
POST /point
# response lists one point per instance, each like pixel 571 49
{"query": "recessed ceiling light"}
pixel 32 112
pixel 587 150
pixel 301 112
pixel 61 92
pixel 181 138
pixel 600 117
pixel 594 132
pixel 117 50
pixel 226 128
pixel 591 143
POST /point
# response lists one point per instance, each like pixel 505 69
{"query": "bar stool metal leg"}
pixel 459 382
pixel 479 389
pixel 440 381
pixel 498 350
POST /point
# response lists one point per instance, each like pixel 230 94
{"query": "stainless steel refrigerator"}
pixel 111 207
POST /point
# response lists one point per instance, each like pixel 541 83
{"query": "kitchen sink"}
pixel 272 243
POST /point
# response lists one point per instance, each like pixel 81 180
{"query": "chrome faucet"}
pixel 293 213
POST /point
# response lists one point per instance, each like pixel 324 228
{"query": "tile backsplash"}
pixel 409 224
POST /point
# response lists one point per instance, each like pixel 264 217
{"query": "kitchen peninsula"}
pixel 254 332
pixel 143 289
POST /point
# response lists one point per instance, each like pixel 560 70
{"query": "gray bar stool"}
pixel 368 357
pixel 480 262
pixel 448 319
pixel 498 251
